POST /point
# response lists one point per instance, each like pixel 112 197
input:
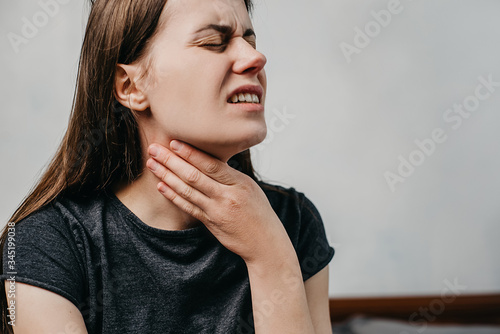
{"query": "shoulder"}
pixel 67 217
pixel 304 226
pixel 292 206
pixel 51 247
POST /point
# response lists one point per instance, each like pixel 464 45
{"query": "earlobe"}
pixel 126 91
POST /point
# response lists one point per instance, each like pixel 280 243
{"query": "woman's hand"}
pixel 237 212
pixel 230 204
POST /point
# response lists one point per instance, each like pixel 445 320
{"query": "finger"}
pixel 207 164
pixel 176 184
pixel 181 202
pixel 183 169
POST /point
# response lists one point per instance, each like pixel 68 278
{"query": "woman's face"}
pixel 206 84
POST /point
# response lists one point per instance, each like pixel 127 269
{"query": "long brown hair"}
pixel 101 145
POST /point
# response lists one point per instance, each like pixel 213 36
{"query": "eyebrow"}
pixel 225 29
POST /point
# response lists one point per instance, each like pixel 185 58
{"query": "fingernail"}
pixel 153 151
pixel 153 165
pixel 162 187
pixel 175 145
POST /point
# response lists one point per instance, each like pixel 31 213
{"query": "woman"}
pixel 150 218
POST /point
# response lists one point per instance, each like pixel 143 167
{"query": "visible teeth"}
pixel 247 97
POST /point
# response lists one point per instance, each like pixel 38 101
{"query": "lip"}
pixel 248 107
pixel 252 89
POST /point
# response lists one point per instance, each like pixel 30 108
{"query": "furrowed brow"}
pixel 223 29
pixel 249 32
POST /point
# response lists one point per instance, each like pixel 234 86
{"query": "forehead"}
pixel 192 14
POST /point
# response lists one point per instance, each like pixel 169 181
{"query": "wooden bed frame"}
pixel 466 309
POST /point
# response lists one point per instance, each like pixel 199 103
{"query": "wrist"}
pixel 282 259
pixel 271 248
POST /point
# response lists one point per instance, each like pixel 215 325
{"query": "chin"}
pixel 253 138
pixel 229 145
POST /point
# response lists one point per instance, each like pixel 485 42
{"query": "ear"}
pixel 126 91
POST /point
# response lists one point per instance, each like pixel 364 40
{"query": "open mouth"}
pixel 244 98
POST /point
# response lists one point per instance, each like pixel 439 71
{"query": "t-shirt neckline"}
pixel 130 217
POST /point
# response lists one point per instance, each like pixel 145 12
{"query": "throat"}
pixel 143 199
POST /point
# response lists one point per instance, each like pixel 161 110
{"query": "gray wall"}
pixel 344 110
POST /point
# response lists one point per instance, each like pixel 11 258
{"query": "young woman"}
pixel 150 218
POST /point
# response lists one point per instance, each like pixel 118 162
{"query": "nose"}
pixel 247 59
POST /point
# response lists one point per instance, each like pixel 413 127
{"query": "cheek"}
pixel 188 102
pixel 188 88
pixel 186 113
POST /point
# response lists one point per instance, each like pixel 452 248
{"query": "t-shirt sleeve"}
pixel 313 250
pixel 42 251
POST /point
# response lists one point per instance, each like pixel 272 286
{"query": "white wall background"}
pixel 348 124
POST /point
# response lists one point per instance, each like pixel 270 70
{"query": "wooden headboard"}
pixel 466 309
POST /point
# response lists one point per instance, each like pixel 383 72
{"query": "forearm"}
pixel 278 295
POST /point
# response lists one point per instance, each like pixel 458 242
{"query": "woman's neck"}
pixel 146 202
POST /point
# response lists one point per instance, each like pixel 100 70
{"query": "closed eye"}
pixel 252 42
pixel 221 40
pixel 216 42
pixel 218 47
pixel 213 45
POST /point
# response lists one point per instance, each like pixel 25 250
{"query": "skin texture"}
pixel 188 80
pixel 180 89
pixel 182 99
pixel 237 212
pixel 44 312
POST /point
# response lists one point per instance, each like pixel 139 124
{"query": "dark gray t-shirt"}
pixel 128 277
